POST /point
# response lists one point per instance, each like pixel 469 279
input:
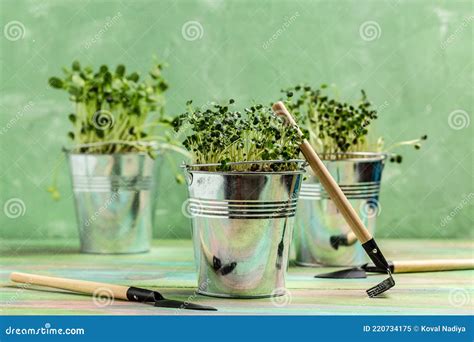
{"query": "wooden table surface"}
pixel 169 268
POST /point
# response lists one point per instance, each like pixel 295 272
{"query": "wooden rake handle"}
pixel 351 238
pixel 329 184
pixel 432 265
pixel 81 286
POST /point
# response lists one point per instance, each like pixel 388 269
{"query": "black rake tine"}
pixel 381 287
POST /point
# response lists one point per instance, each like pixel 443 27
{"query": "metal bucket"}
pixel 242 225
pixel 113 201
pixel 318 220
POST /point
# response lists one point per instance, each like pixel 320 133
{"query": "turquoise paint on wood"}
pixel 169 268
pixel 417 70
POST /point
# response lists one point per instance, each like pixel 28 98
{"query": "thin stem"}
pixel 401 143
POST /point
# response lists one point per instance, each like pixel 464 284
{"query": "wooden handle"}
pixel 432 265
pixel 82 286
pixel 351 238
pixel 329 184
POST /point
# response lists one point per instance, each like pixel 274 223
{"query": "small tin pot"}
pixel 318 220
pixel 113 201
pixel 242 225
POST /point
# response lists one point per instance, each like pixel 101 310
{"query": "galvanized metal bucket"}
pixel 113 199
pixel 242 225
pixel 318 221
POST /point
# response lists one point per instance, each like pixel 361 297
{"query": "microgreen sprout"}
pixel 334 126
pixel 114 107
pixel 220 135
pixel 116 112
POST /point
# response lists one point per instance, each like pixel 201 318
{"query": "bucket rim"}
pixel 152 144
pixel 301 167
pixel 354 156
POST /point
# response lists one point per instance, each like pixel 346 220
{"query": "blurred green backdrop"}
pixel 414 58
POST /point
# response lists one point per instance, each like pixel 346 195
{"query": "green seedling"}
pixel 221 135
pixel 334 126
pixel 114 110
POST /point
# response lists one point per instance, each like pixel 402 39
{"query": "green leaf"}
pixel 155 72
pixel 120 70
pixel 75 91
pixel 77 80
pixel 55 82
pixel 180 178
pixel 133 77
pixel 117 84
pixel 163 86
pixel 107 78
pixel 76 66
pixel 133 100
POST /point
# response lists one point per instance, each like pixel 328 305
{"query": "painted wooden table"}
pixel 169 268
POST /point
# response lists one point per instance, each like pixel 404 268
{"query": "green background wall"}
pixel 417 69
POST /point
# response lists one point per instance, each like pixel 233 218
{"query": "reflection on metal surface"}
pixel 318 219
pixel 242 227
pixel 113 201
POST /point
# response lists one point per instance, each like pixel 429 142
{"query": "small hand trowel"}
pixel 403 266
pixel 342 203
pixel 134 294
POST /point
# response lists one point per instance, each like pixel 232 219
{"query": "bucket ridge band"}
pixel 363 190
pixel 107 183
pixel 242 209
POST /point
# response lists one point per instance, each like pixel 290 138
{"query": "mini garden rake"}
pixel 340 200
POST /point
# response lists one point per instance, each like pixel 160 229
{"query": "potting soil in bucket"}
pixel 242 225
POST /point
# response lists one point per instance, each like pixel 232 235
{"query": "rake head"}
pixel 382 287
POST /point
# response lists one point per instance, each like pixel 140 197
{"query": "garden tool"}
pixel 342 240
pixel 341 202
pixel 112 291
pixel 402 266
